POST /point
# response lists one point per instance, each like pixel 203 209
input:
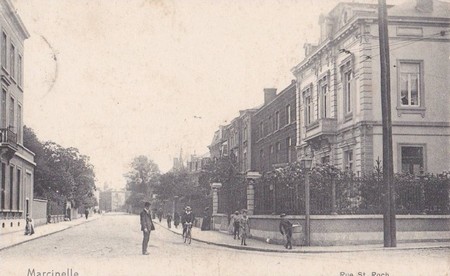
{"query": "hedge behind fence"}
pixel 282 190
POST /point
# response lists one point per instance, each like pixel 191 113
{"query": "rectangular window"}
pixel 4 50
pixel 19 124
pixel 245 133
pixel 11 187
pixel 325 98
pixel 412 159
pixel 409 83
pixel 309 110
pixel 325 159
pixel 270 154
pixel 288 149
pixel 270 123
pixel 288 114
pixel 277 156
pixel 3 191
pixel 348 160
pixel 277 120
pixel 20 71
pixel 261 129
pixel 348 92
pixel 244 163
pixel 12 61
pixel 261 160
pixel 3 121
pixel 19 182
pixel 11 112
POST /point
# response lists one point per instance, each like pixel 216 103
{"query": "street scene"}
pixel 110 246
pixel 170 137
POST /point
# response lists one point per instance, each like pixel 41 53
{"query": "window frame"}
pixel 347 161
pixel 288 114
pixel 325 98
pixel 12 61
pixel 348 89
pixel 4 51
pixel 417 145
pixel 411 109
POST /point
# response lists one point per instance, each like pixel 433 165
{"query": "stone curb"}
pixel 45 235
pixel 349 250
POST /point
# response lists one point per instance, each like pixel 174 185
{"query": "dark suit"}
pixel 146 227
pixel 286 229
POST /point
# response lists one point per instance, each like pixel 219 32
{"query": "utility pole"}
pixel 390 239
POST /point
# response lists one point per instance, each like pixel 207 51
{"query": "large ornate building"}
pixel 338 88
pixel 17 162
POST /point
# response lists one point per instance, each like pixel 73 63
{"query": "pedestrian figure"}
pixel 244 227
pixel 188 217
pixel 286 230
pixel 86 213
pixel 159 214
pixel 176 219
pixel 146 226
pixel 29 226
pixel 235 218
pixel 169 220
pixel 206 223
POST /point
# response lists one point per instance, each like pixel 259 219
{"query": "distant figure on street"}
pixel 86 213
pixel 29 226
pixel 159 214
pixel 69 214
pixel 176 219
pixel 235 218
pixel 169 220
pixel 206 223
pixel 244 227
pixel 187 217
pixel 286 230
pixel 146 226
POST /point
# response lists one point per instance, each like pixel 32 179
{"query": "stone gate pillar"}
pixel 251 197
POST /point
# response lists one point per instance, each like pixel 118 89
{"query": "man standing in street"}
pixel 286 229
pixel 146 226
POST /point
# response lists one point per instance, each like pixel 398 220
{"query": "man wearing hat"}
pixel 146 226
pixel 286 229
pixel 187 217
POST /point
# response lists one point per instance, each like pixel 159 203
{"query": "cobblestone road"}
pixel 111 246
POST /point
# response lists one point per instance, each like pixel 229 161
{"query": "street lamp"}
pixel 306 163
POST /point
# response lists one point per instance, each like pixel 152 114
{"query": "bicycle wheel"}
pixel 189 236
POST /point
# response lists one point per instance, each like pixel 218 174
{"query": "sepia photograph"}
pixel 225 137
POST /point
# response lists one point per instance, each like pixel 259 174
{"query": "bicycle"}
pixel 188 234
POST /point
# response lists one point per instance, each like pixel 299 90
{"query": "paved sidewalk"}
pixel 8 240
pixel 226 240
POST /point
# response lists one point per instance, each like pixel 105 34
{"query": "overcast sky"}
pixel 118 79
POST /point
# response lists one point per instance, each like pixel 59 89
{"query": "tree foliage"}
pixel 141 180
pixel 61 174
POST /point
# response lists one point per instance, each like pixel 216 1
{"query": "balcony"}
pixel 8 143
pixel 321 127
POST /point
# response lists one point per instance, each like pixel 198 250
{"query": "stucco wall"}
pixel 347 229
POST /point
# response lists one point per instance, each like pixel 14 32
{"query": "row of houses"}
pixel 331 112
pixel 16 161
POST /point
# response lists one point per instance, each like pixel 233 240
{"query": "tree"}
pixel 141 180
pixel 61 174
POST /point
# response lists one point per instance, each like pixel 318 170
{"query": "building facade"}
pixel 17 162
pixel 338 88
pixel 113 200
pixel 274 130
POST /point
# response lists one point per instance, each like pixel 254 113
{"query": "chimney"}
pixel 424 5
pixel 269 95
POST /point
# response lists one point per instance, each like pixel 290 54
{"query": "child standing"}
pixel 245 227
